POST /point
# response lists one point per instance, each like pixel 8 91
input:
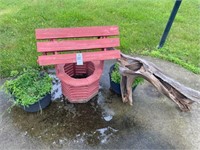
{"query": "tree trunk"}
pixel 131 67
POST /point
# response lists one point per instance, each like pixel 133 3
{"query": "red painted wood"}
pixel 71 58
pixel 71 87
pixel 77 44
pixel 57 33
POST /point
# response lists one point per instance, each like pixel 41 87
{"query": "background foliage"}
pixel 141 24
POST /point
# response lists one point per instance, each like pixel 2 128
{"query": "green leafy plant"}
pixel 29 86
pixel 116 77
pixel 14 73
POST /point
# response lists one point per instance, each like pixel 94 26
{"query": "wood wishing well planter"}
pixel 80 82
pixel 78 70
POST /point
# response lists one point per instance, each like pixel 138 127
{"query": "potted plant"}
pixel 115 78
pixel 31 89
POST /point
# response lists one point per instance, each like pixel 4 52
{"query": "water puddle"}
pixel 56 92
pixel 106 133
pixel 101 135
pixel 107 113
pixel 89 123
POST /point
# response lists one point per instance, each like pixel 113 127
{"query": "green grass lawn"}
pixel 141 24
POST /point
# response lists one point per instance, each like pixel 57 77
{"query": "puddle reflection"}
pixel 87 123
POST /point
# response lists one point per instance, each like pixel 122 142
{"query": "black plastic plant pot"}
pixel 41 104
pixel 115 87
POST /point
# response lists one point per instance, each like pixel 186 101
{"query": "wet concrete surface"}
pixel 153 122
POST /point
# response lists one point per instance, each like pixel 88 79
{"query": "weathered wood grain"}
pixel 131 67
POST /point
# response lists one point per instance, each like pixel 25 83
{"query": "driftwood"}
pixel 131 67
